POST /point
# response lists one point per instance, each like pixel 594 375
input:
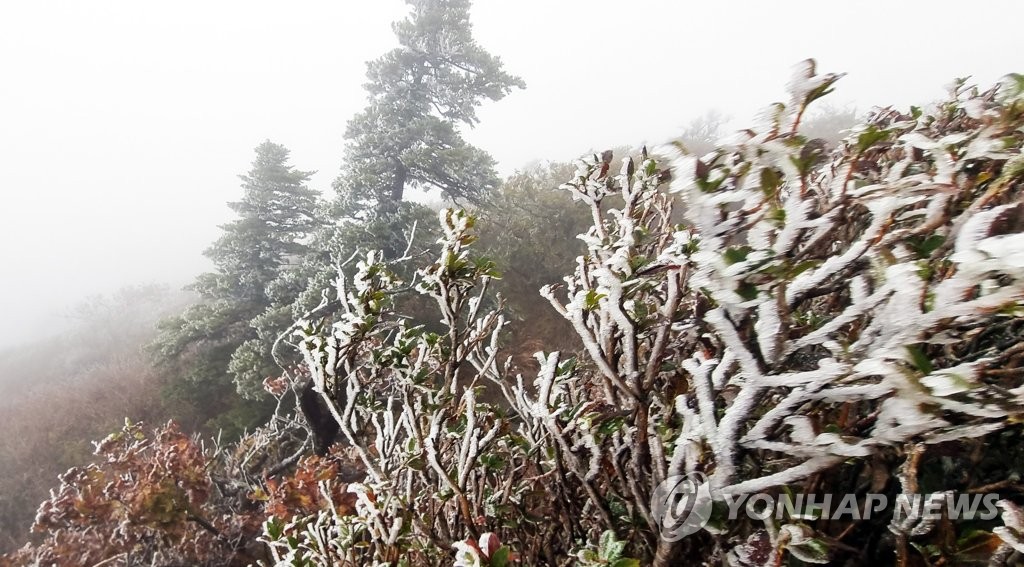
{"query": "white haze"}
pixel 124 124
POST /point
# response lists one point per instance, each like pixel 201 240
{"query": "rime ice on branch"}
pixel 809 306
pixel 759 314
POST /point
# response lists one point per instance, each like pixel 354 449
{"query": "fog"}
pixel 124 125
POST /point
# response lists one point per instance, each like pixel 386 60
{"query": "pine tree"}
pixel 275 215
pixel 219 336
pixel 420 92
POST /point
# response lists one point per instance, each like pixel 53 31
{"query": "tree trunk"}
pixel 665 554
pixel 398 184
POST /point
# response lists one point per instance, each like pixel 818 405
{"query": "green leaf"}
pixel 747 291
pixel 821 90
pixel 609 547
pixel 637 262
pixel 492 461
pixel 777 215
pixel 924 270
pixel 610 426
pixel 811 551
pixel 803 267
pixel 1013 84
pixel 590 303
pixel 927 550
pixel 274 528
pixel 736 254
pixel 500 557
pixel 771 179
pixel 707 185
pixel 626 562
pixel 871 136
pixel 924 246
pixel 919 360
pixel 417 464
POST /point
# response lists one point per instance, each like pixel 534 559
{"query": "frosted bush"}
pixel 764 314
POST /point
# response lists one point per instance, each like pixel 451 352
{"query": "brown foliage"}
pixel 148 498
pixel 301 493
pixel 164 499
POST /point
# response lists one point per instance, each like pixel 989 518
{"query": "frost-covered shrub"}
pixel 813 313
pixel 148 499
pixel 812 308
pixel 442 465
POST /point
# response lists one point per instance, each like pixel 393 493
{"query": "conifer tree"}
pixel 420 93
pixel 276 214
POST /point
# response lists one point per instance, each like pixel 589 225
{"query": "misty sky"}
pixel 124 124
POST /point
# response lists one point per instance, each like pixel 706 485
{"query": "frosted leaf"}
pixel 1006 249
pixel 953 139
pixel 978 227
pixel 1013 528
pixel 796 211
pixel 918 140
pixel 901 419
pixel 953 380
pixel 466 555
pixel 985 145
pixel 974 108
pixel 979 254
pixel 347 326
pixel 803 545
pixel 945 167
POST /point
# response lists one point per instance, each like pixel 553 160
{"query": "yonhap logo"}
pixel 681 505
